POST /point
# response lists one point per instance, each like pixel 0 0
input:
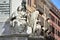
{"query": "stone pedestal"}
pixel 14 37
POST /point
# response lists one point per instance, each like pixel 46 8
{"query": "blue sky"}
pixel 56 3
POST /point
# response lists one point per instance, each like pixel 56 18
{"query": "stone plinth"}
pixel 14 37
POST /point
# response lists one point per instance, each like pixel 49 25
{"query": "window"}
pixel 58 33
pixel 59 23
pixel 52 18
pixel 52 29
pixel 56 21
pixel 29 2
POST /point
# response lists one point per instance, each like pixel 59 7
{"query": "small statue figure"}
pixel 19 19
pixel 33 19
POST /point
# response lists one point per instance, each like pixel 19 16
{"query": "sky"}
pixel 56 3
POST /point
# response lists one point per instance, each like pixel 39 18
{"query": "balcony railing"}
pixel 55 12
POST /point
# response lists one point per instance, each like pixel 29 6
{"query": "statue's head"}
pixel 19 8
pixel 22 7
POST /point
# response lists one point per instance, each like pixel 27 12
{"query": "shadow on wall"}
pixel 6 27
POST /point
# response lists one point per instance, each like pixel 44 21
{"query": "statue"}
pixel 32 21
pixel 19 19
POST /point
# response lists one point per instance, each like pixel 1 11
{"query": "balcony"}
pixel 55 11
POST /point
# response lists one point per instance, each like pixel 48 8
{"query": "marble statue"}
pixel 33 19
pixel 19 19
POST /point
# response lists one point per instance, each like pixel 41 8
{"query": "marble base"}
pixel 14 37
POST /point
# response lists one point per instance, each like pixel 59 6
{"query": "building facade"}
pixel 48 12
pixel 55 22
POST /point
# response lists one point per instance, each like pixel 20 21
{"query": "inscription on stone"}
pixel 4 8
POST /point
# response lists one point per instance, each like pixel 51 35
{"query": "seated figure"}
pixel 19 20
